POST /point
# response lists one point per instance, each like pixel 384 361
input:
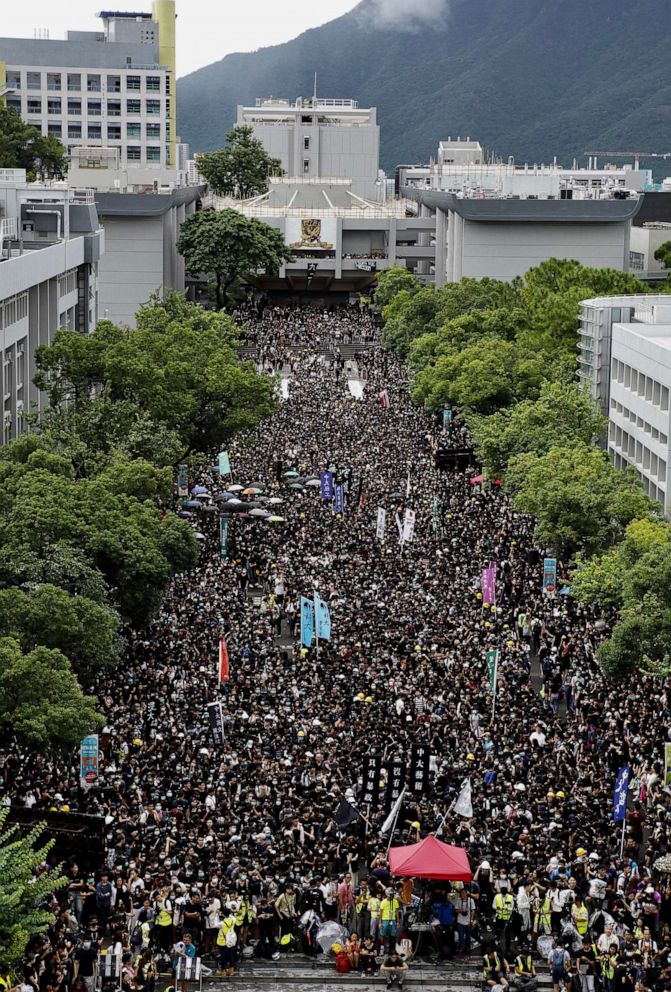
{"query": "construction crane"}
pixel 637 156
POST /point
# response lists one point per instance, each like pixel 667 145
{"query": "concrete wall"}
pixel 132 267
pixel 503 251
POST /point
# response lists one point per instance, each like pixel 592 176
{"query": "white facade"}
pixel 115 87
pixel 645 241
pixel 639 412
pixel 320 139
pixel 50 246
pixel 597 318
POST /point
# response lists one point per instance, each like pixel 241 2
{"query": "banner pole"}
pixel 442 822
pixel 393 829
pixel 314 604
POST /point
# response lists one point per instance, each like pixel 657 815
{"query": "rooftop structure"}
pixel 114 87
pixel 319 138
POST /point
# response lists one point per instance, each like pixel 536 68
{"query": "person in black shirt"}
pixel 394 969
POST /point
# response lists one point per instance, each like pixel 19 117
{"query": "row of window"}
pixel 93 108
pixel 638 382
pixel 94 132
pixel 637 452
pixel 13 309
pixel 640 422
pixel 653 491
pixel 78 82
pixel 67 282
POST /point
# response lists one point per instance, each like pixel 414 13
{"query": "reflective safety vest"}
pixel 361 902
pixel 523 964
pixel 389 909
pixel 490 965
pixel 227 925
pixel 374 907
pixel 581 920
pixel 164 918
pixel 244 913
pixel 609 966
pixel 544 913
pixel 503 906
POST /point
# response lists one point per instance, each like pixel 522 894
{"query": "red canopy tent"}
pixel 431 859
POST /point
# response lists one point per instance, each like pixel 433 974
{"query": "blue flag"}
pixel 307 622
pixel 620 797
pixel 326 480
pixel 323 619
pixel 340 499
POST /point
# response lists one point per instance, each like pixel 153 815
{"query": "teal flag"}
pixel 323 619
pixel 224 463
pixel 492 658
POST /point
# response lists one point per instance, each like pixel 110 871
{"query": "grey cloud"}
pixel 406 13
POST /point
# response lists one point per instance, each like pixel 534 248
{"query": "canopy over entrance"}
pixel 431 859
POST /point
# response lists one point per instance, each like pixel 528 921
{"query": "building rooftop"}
pixel 114 14
pixel 492 210
pixel 314 197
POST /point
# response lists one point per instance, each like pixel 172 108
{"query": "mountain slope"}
pixel 529 78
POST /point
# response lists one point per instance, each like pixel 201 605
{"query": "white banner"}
pixel 381 523
pixel 408 526
pixel 464 806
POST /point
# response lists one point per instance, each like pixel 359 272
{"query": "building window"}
pixel 114 108
pixel 74 82
pixel 306 144
pixel 133 82
pixel 153 154
pixel 74 108
pixel 153 130
pixel 93 84
pixel 306 119
pixel 54 82
pixel 67 282
pixel 306 166
pixel 153 106
pixel 54 106
pixel 14 80
pixel 114 132
pixel 94 132
pixel 94 108
pixel 34 80
pixel 154 84
pixel 55 130
pixel 114 84
pixel 133 107
pixel 14 308
pixel 74 130
pixel 636 262
pixel 14 103
pixel 134 153
pixel 34 107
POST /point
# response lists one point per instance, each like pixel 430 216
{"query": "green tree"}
pixel 230 246
pixel 242 168
pixel 84 631
pixel 392 281
pixel 178 373
pixel 23 890
pixel 41 702
pixel 22 146
pixel 663 255
pixel 480 377
pixel 581 502
pixel 563 414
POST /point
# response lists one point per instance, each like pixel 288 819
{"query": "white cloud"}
pixel 407 13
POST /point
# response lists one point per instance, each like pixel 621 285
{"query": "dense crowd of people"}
pixel 225 852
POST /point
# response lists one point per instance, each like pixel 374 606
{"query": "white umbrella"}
pixel 235 489
pixel 258 512
pixel 275 500
pixel 314 483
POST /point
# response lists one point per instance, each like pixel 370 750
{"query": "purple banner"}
pixel 488 583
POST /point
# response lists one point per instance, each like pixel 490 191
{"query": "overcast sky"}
pixel 207 29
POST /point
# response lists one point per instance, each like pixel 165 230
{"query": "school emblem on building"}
pixel 311 233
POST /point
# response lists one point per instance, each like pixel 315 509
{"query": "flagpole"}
pixel 398 813
pixel 442 822
pixel 316 622
pixel 624 823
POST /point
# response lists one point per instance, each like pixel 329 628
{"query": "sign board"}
pixel 88 761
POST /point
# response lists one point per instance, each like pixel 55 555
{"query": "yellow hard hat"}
pixel 65 809
pixel 510 644
pixel 487 624
pixel 415 825
pixel 369 699
pixel 286 939
pixel 137 741
pixel 580 852
pixel 561 795
pixel 470 757
pixel 551 794
pixel 301 733
pixel 486 605
pixel 478 595
pixel 361 696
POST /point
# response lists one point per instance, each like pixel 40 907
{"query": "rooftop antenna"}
pixel 314 95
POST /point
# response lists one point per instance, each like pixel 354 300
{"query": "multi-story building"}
pixel 114 87
pixel 324 139
pixel 50 247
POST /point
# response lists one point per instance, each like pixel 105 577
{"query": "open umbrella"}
pixel 296 485
pixel 192 504
pixel 199 490
pixel 210 509
pixel 291 475
pixel 200 537
pixel 275 501
pixel 185 515
pixel 258 512
pixel 274 519
pixel 313 483
pixel 202 496
pixel 248 492
pixel 257 485
pixel 235 489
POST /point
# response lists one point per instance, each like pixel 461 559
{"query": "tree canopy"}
pixel 23 146
pixel 241 168
pixel 230 246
